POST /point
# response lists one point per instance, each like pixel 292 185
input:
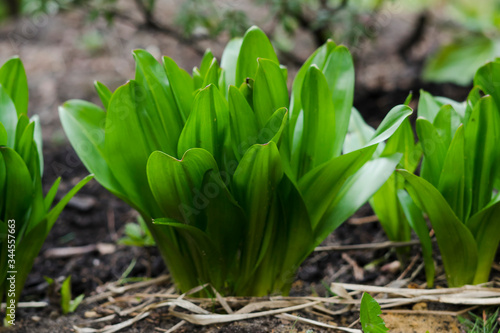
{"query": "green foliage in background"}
pixel 477 42
pixel 237 181
pixel 458 187
pixel 26 217
pixel 488 323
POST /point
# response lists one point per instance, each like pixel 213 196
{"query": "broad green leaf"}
pixel 417 222
pixel 208 124
pixel 130 139
pixel 428 107
pixel 318 58
pixel 157 112
pixel 18 187
pixel 8 116
pixel 182 86
pixel 228 62
pixel 319 132
pixel 443 124
pixel 358 134
pixel 458 61
pixel 369 315
pixel 456 243
pixel 261 167
pixel 244 128
pixel 355 192
pixel 390 123
pixel 274 127
pixel 84 124
pixel 386 206
pixel 452 182
pixel 13 80
pixel 485 227
pixel 320 186
pixel 212 76
pixel 255 45
pixel 487 78
pixel 403 141
pixel 472 99
pixel 66 295
pixel 434 148
pixel 225 218
pixel 103 92
pixel 339 73
pixel 270 91
pixel 482 135
pixel 176 184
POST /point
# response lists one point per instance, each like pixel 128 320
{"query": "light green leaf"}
pixel 339 73
pixel 228 62
pixel 13 80
pixel 369 316
pixel 270 91
pixel 452 182
pixel 103 92
pixel 255 45
pixel 8 116
pixel 318 135
pixel 456 243
pixel 482 155
pixel 208 124
pixel 428 107
pixel 261 167
pixel 176 184
pixel 355 192
pixel 390 123
pixel 83 123
pixel 434 148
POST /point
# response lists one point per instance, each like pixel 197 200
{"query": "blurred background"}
pixel 398 45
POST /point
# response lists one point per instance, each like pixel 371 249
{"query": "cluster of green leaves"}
pixel 458 184
pixel 241 189
pixel 396 211
pixel 458 187
pixel 26 216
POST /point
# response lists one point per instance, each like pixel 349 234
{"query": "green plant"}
pixel 369 315
pixel 488 323
pixel 459 178
pixel 68 305
pixel 26 216
pixel 395 210
pixel 240 192
pixel 137 234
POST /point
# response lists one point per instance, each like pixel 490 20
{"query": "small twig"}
pixel 410 266
pixel 366 247
pixel 363 220
pixel 317 323
pixel 63 252
pixel 27 305
pixel 111 224
pixel 359 273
